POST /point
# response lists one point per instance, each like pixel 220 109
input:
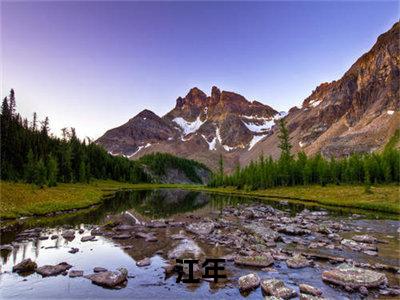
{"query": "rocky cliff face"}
pixel 357 113
pixel 199 127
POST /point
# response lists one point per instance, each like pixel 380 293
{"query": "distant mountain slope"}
pixel 200 127
pixel 357 113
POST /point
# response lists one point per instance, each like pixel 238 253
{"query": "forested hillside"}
pixel 29 153
pixel 290 170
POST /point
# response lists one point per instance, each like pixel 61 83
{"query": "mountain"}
pixel 199 127
pixel 357 113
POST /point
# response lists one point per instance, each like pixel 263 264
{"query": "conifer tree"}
pixel 41 174
pixel 52 171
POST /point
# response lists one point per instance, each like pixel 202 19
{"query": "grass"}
pixel 19 199
pixel 383 198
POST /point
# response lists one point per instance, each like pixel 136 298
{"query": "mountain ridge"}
pixel 356 113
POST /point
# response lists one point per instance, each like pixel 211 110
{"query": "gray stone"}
pixel 144 262
pixel 249 282
pixel 260 261
pixel 277 288
pixel 353 277
pixel 309 289
pixel 110 279
pixel 88 238
pixel 53 270
pixel 298 261
pixel 99 269
pixel 27 265
pixel 75 273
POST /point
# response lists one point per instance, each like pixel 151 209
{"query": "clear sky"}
pixel 94 65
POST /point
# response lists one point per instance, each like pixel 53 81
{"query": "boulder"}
pixel 277 288
pixel 109 279
pixel 354 277
pixel 249 282
pixel 187 248
pixel 124 227
pixel 309 289
pixel 73 250
pixel 364 239
pixel 261 261
pixel 201 228
pixel 75 273
pixel 309 297
pixel 53 270
pixel 293 230
pixel 88 238
pixel 122 236
pixel 144 262
pixel 68 234
pixel 356 246
pixel 99 269
pixel 298 261
pixel 27 265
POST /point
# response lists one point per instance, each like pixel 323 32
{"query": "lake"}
pixel 166 224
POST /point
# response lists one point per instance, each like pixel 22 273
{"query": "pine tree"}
pixel 52 171
pixel 30 168
pixel 82 172
pixel 284 143
pixel 41 177
pixel 221 165
pixel 34 121
pixel 12 102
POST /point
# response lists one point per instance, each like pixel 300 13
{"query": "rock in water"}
pixel 88 238
pixel 353 277
pixel 310 297
pixel 187 248
pixel 75 273
pixel 49 270
pixel 298 261
pixel 277 288
pixel 364 239
pixel 27 265
pixel 309 289
pixel 99 269
pixel 201 228
pixel 144 262
pixel 68 234
pixel 109 279
pixel 249 282
pixel 255 261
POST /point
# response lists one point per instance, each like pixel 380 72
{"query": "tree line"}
pixel 29 153
pixel 291 170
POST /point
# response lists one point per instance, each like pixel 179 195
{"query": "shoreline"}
pixel 66 198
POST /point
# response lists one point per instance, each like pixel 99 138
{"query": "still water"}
pixel 138 208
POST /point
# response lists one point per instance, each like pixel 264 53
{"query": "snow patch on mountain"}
pixel 264 126
pixel 255 140
pixel 188 127
pixel 390 112
pixel 212 144
pixel 315 103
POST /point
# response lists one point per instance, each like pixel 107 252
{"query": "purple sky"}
pixel 94 65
